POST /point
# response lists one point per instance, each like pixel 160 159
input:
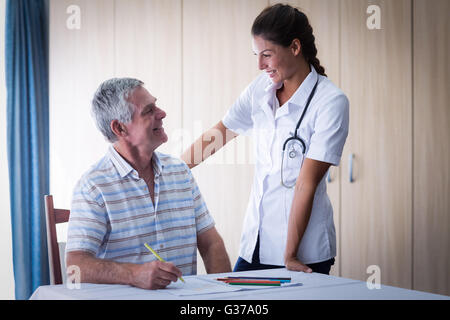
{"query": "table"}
pixel 314 286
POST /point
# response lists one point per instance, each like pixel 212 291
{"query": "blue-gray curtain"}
pixel 26 68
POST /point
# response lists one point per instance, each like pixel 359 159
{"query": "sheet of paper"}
pixel 194 286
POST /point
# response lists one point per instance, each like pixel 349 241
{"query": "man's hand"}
pixel 150 275
pixel 295 265
pixel 154 275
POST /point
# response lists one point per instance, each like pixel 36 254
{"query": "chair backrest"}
pixel 53 217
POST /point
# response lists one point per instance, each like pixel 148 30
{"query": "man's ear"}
pixel 296 47
pixel 119 129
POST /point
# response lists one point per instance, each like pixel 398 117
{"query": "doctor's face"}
pixel 277 61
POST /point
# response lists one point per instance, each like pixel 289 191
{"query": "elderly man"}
pixel 136 195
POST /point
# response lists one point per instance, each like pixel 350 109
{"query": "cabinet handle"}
pixel 350 167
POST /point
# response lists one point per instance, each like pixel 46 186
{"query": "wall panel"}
pixel 431 146
pixel 80 59
pixel 218 63
pixel 376 76
pixel 148 47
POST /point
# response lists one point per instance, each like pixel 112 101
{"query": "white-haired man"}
pixel 136 195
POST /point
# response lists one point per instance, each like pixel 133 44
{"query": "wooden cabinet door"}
pixel 376 76
pixel 431 146
pixel 81 44
pixel 218 63
pixel 148 46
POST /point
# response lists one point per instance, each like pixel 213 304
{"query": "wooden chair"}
pixel 53 217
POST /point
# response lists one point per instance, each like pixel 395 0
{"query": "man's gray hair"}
pixel 110 103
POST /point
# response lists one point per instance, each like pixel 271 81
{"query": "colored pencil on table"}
pixel 255 284
pixel 261 278
pixel 247 281
pixel 282 280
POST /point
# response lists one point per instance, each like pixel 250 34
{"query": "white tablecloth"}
pixel 314 286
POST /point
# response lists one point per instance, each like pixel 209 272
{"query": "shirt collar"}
pixel 124 168
pixel 157 164
pixel 301 94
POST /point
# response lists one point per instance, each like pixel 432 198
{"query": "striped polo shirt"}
pixel 112 214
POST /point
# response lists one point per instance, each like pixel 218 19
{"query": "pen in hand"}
pixel 157 256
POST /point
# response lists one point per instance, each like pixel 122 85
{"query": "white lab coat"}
pixel 324 130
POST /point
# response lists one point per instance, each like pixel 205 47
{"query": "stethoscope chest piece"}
pixel 292 154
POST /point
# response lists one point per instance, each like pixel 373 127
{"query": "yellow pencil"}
pixel 157 256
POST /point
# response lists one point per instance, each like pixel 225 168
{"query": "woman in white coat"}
pixel 291 107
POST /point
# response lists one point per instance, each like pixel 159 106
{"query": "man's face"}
pixel 145 131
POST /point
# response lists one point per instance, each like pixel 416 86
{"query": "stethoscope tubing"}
pixel 295 136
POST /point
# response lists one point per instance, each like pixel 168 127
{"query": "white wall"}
pixel 6 265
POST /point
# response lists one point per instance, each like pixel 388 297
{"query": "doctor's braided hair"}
pixel 281 24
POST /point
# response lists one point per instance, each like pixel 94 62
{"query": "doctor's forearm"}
pixel 209 143
pixel 193 153
pixel 299 218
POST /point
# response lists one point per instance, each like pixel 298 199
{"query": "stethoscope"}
pixel 293 153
